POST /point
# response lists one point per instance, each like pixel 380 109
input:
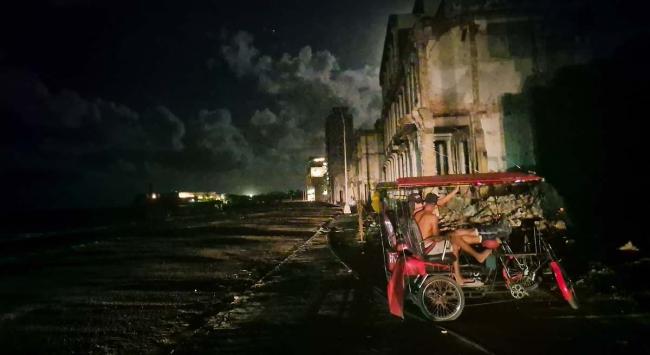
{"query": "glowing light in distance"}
pixel 317 171
pixel 311 194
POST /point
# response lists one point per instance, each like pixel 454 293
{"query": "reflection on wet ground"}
pixel 137 289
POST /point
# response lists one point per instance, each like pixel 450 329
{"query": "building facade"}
pixel 450 74
pixel 338 124
pixel 367 162
pixel 317 182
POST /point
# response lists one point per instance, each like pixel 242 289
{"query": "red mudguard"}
pixel 395 289
pixel 405 266
pixel 561 282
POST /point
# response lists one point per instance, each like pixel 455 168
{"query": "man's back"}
pixel 427 222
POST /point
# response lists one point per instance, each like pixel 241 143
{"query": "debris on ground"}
pixel 628 247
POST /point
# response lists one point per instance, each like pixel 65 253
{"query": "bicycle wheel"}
pixel 441 299
pixel 564 284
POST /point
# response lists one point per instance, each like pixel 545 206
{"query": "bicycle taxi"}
pixel 511 201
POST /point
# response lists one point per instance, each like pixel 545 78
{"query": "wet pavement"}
pixel 272 281
pixel 313 303
pixel 137 290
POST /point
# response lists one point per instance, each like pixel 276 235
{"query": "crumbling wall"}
pixel 463 212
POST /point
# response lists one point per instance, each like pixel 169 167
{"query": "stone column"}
pixel 426 144
pixel 395 166
pixel 478 142
pixel 423 79
pixel 413 156
pixel 476 130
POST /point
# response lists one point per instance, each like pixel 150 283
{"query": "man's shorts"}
pixel 441 243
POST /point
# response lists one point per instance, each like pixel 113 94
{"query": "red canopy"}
pixel 467 179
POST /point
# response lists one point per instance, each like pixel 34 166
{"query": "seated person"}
pixel 426 216
pixel 469 235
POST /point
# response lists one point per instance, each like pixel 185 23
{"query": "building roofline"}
pixel 399 21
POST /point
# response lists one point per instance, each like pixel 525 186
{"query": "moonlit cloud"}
pixel 298 92
pixel 318 73
pixel 100 147
pixel 240 54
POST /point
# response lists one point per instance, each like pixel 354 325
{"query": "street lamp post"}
pixel 346 207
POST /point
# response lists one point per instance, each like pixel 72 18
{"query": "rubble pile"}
pixel 462 211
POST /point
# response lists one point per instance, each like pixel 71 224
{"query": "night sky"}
pixel 100 98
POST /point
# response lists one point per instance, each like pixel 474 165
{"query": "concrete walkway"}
pixel 306 289
pixel 311 303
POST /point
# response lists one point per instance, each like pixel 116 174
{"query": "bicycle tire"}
pixel 565 284
pixel 434 297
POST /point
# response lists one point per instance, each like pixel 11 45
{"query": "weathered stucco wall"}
pixel 505 59
pixel 367 164
pixel 473 62
pixel 450 76
pixel 493 131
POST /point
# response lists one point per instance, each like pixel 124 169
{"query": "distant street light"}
pixel 346 207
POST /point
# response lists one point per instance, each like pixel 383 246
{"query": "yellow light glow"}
pixel 317 171
pixel 311 194
pixel 185 195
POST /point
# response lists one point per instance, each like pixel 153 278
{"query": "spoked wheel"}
pixel 441 299
pixel 565 284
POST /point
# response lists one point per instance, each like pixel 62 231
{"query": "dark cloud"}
pixel 296 93
pixel 215 133
pixel 240 54
pixel 66 147
pixel 307 79
pixel 165 125
pixel 62 148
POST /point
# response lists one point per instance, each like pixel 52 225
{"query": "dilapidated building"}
pixel 317 181
pixel 337 125
pixel 367 162
pixel 450 73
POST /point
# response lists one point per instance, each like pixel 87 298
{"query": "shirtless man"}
pixel 427 219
